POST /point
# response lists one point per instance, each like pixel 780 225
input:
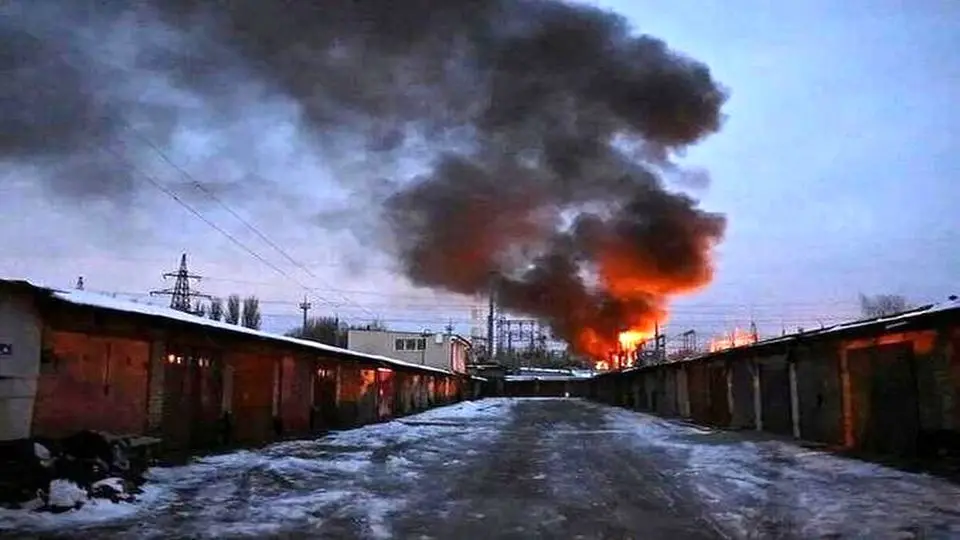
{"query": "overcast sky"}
pixel 837 165
pixel 836 168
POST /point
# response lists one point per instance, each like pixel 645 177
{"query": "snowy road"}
pixel 522 469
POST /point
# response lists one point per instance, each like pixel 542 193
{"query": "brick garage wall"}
pixel 935 385
pixel 89 382
pixel 155 387
pixel 296 393
pixel 192 399
pixel 433 390
pixel 404 393
pixel 252 402
pixel 358 395
pixel 386 393
pixel 420 392
pixel 325 392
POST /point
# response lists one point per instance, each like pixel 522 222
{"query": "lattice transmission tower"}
pixel 181 296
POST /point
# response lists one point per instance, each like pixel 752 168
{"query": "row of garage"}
pixel 889 386
pixel 71 360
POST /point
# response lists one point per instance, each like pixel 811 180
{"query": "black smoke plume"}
pixel 540 129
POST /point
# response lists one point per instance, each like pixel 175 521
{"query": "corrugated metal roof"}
pixel 100 301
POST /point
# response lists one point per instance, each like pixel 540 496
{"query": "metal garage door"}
pixel 775 394
pixel 885 401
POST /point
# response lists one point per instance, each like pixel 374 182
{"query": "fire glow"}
pixel 737 338
pixel 631 339
pixel 624 356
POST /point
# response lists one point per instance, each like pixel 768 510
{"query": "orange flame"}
pixel 631 339
pixel 737 338
pixel 641 288
pixel 623 357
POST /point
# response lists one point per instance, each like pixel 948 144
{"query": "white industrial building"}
pixel 445 351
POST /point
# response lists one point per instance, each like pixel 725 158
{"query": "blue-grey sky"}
pixel 837 164
pixel 835 167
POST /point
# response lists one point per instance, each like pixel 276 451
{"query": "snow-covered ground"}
pixel 763 489
pixel 521 468
pixel 94 512
pixel 358 476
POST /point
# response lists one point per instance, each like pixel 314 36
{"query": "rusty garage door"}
pixel 819 393
pixel 775 394
pixel 741 374
pixel 885 402
pixel 720 413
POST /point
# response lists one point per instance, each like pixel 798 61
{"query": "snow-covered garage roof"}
pixel 888 323
pixel 101 301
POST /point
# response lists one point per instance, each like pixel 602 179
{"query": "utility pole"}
pixel 305 308
pixel 689 342
pixel 424 334
pixel 490 316
pixel 656 341
pixel 180 294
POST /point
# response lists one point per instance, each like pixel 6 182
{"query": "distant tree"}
pixel 882 305
pixel 232 315
pixel 328 330
pixel 199 309
pixel 216 309
pixel 375 325
pixel 251 312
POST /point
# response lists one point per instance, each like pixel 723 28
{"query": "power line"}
pixel 717 327
pixel 723 321
pixel 12 255
pixel 693 315
pixel 733 311
pixel 185 174
pixel 678 306
pixel 192 210
pixel 157 184
pixel 680 303
pixel 440 299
